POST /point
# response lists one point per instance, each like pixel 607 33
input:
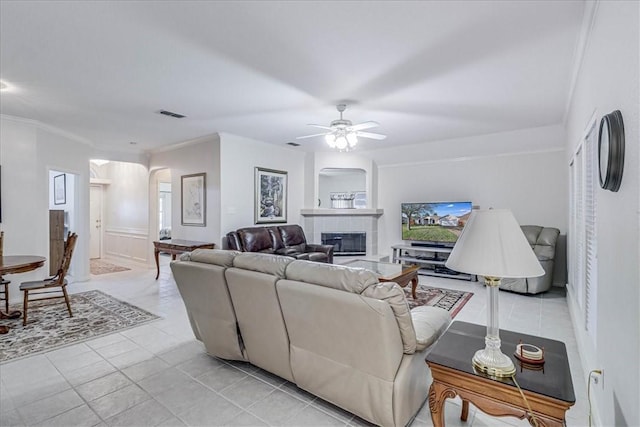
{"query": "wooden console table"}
pixel 176 247
pixel 548 387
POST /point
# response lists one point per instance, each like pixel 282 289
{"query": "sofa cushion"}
pixel 263 263
pixel 219 257
pixel 394 296
pixel 292 235
pixel 276 240
pixel 331 276
pixel 299 248
pixel 359 281
pixel 429 323
pixel 256 239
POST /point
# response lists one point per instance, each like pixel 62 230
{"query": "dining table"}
pixel 14 264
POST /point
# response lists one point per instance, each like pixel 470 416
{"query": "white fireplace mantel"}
pixel 341 212
pixel 318 221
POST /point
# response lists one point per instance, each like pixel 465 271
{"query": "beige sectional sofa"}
pixel 332 330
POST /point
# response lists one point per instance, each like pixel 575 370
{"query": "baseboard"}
pixel 587 359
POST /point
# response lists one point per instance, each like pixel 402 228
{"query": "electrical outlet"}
pixel 597 376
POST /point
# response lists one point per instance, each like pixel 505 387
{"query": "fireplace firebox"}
pixel 346 244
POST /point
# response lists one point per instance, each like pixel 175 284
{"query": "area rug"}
pixel 450 300
pixel 94 314
pixel 98 266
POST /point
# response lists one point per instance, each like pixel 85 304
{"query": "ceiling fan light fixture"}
pixel 352 139
pixel 331 140
pixel 341 142
pixel 343 134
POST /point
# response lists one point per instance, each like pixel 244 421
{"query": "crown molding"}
pixel 43 126
pixel 588 20
pixel 187 143
pixel 467 158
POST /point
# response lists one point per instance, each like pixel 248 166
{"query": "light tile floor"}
pixel 158 374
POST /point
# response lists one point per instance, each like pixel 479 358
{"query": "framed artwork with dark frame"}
pixel 270 196
pixel 193 198
pixel 60 189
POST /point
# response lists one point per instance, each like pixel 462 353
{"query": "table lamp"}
pixel 493 245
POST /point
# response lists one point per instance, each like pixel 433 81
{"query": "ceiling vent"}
pixel 171 114
pixel 293 144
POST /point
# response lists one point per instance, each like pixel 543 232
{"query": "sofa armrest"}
pixel 535 285
pixel 429 323
pixel 233 241
pixel 286 251
pixel 326 249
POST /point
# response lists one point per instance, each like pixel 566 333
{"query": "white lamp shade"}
pixel 493 244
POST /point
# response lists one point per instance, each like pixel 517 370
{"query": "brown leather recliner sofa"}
pixel 286 240
pixel 334 331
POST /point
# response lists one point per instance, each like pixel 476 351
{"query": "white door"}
pixel 95 221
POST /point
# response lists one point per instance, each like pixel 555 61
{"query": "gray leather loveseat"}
pixel 543 242
pixel 332 330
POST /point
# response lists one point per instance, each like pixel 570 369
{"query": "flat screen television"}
pixel 438 223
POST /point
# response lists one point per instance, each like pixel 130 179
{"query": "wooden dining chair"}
pixel 50 285
pixel 4 284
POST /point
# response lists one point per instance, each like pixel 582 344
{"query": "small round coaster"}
pixel 529 353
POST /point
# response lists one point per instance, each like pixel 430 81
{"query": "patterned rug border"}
pixel 462 298
pixel 12 323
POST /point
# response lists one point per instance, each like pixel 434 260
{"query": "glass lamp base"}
pixel 493 363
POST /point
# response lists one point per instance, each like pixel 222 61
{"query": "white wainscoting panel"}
pixel 132 244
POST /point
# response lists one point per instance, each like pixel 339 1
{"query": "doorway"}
pixel 164 210
pixel 95 222
pixel 62 215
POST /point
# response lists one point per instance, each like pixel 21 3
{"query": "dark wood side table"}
pixel 548 387
pixel 400 273
pixel 176 247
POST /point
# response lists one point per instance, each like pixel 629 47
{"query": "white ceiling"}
pixel 425 70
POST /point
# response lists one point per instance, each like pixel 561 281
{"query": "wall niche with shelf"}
pixel 342 188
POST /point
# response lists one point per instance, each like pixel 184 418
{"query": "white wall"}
pixel 28 151
pixel 609 80
pixel 532 185
pixel 240 156
pixel 126 211
pixel 126 198
pixel 201 155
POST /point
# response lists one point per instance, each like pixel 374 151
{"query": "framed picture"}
pixel 270 196
pixel 60 189
pixel 194 199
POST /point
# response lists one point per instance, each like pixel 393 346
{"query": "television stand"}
pixel 431 260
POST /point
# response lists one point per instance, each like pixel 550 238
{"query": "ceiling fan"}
pixel 342 134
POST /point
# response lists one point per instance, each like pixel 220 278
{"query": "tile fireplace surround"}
pixel 317 221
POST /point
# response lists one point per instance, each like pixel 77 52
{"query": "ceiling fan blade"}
pixel 312 136
pixel 371 135
pixel 364 125
pixel 320 126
